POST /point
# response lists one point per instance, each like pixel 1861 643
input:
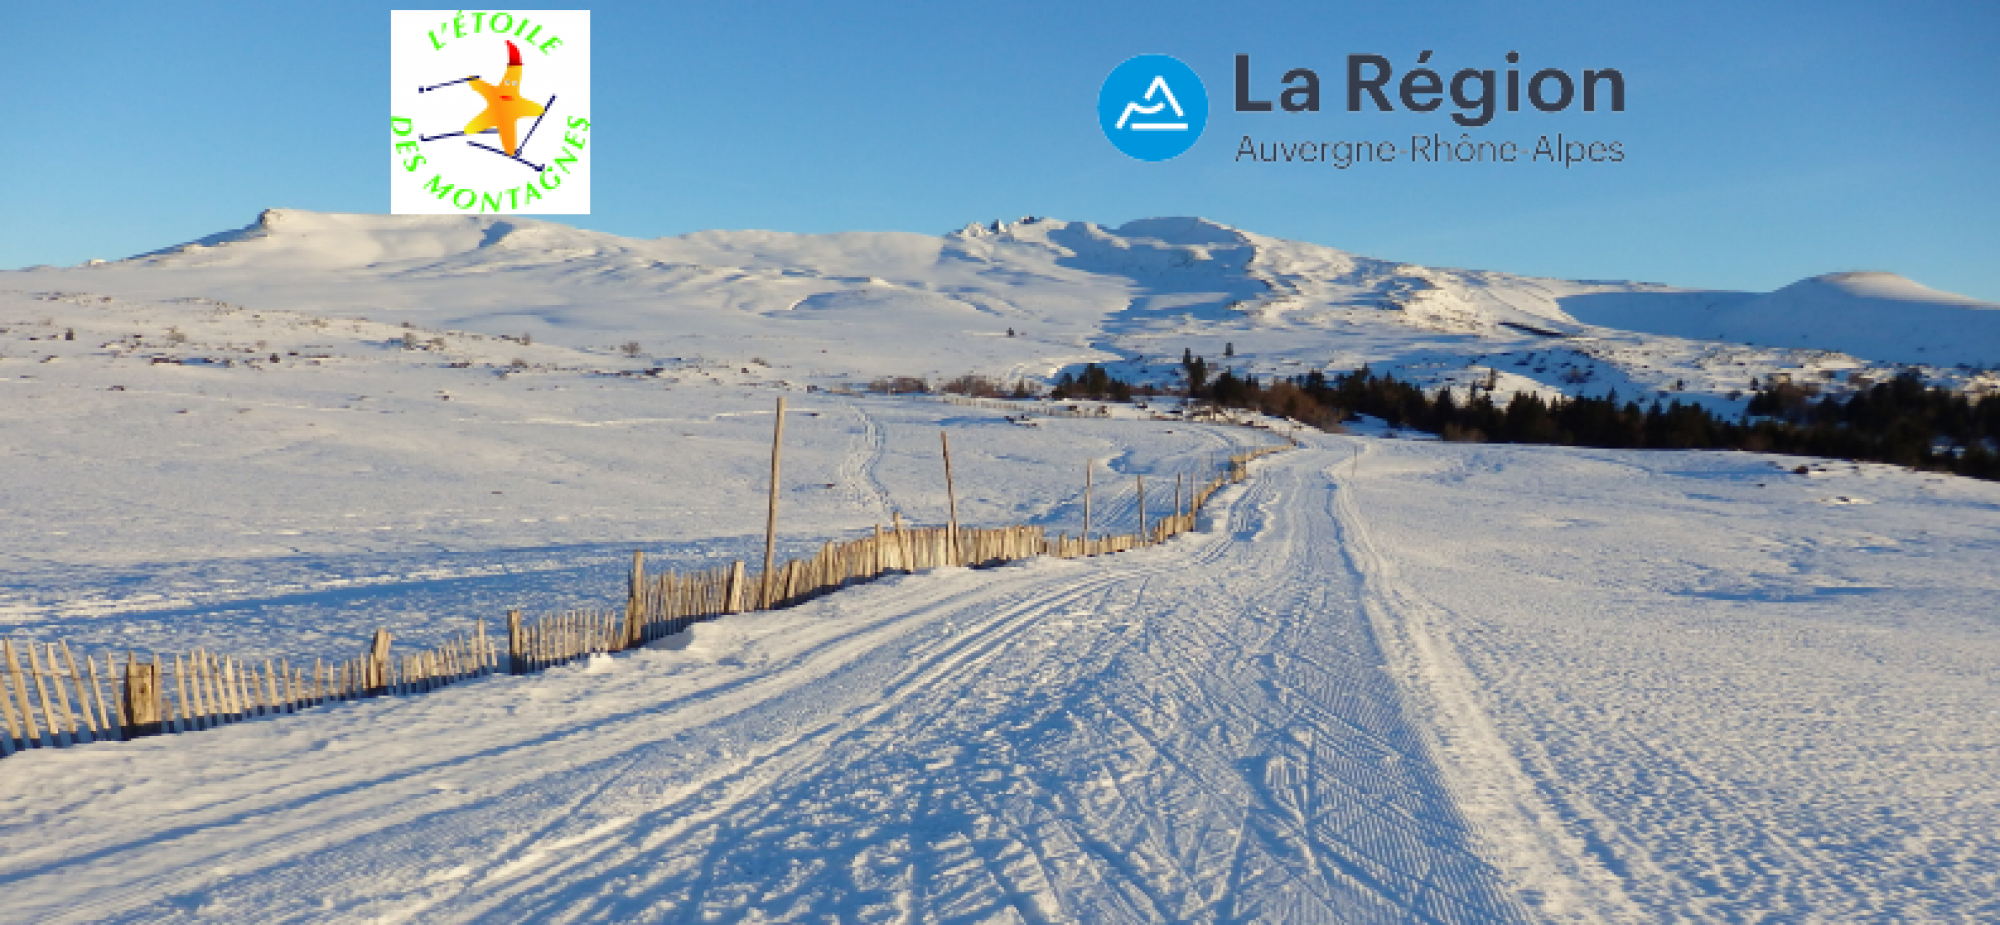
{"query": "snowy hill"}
pixel 1385 680
pixel 1136 294
pixel 1880 316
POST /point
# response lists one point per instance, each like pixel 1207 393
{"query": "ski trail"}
pixel 1522 831
pixel 1198 732
pixel 859 467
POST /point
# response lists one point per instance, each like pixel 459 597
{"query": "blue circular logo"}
pixel 1152 107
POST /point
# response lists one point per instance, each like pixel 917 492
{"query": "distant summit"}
pixel 1175 279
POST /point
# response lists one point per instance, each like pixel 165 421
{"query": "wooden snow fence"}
pixel 663 604
pixel 51 696
pixel 55 697
pixel 1028 409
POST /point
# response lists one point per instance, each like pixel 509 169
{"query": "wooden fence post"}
pixel 909 562
pixel 480 659
pixel 1142 511
pixel 634 610
pixel 771 516
pixel 378 663
pixel 514 653
pixel 1177 501
pixel 1088 466
pixel 733 596
pixel 951 498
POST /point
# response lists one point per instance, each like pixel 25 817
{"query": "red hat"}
pixel 513 55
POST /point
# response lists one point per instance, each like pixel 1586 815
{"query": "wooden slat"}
pixel 105 727
pixel 273 701
pixel 202 707
pixel 231 675
pixel 264 687
pixel 517 643
pixel 85 720
pixel 212 693
pixel 186 718
pixel 55 722
pixel 13 729
pixel 31 734
pixel 243 676
pixel 241 688
pixel 13 726
pixel 217 693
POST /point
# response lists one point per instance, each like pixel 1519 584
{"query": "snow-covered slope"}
pixel 1880 316
pixel 1137 294
pixel 1387 680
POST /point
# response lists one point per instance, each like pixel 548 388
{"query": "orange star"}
pixel 504 104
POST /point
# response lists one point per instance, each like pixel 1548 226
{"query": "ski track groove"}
pixel 559 739
pixel 970 643
pixel 1134 738
pixel 1511 813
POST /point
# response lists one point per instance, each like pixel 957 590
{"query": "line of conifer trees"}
pixel 1903 420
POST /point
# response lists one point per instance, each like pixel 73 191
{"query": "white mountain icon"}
pixel 1159 86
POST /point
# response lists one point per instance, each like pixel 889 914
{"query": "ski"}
pixel 537 167
pixel 447 83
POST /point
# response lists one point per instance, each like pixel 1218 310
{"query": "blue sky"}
pixel 1765 142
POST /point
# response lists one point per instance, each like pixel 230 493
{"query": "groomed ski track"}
pixel 1204 731
pixel 1373 687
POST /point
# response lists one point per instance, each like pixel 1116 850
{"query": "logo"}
pixel 1152 107
pixel 489 112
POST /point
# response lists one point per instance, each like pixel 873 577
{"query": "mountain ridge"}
pixel 1097 291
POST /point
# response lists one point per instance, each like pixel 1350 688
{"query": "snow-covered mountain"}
pixel 1880 316
pixel 862 304
pixel 1383 680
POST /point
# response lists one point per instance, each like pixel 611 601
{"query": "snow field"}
pixel 1149 736
pixel 1735 693
pixel 1622 686
pixel 1387 680
pixel 287 509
